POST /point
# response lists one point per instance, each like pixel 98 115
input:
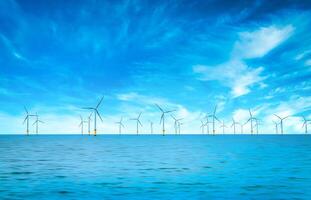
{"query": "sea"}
pixel 155 167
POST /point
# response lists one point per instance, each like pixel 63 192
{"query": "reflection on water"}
pixel 155 167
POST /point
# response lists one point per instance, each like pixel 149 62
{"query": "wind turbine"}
pixel 214 117
pixel 96 113
pixel 207 124
pixel 223 126
pixel 37 122
pixel 137 122
pixel 27 120
pixel 120 125
pixel 281 121
pixel 162 120
pixel 257 121
pixel 251 118
pixel 176 123
pixel 276 127
pixel 242 126
pixel 233 124
pixel 202 126
pixel 305 124
pixel 81 124
pixel 89 124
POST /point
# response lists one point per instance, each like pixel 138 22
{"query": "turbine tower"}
pixel 276 127
pixel 137 122
pixel 37 122
pixel 179 124
pixel 151 127
pixel 176 123
pixel 162 120
pixel 233 124
pixel 81 124
pixel 27 120
pixel 305 124
pixel 223 126
pixel 214 117
pixel 120 125
pixel 96 113
pixel 281 121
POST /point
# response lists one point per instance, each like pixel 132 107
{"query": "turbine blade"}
pixel 99 102
pixel 173 117
pixel 217 119
pixel 88 108
pixel 215 109
pixel 99 115
pixel 159 107
pixel 277 116
pixel 25 119
pixel 140 123
pixel 26 109
pixel 161 118
pixel 169 111
pixel 139 115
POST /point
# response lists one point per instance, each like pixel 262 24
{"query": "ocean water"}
pixel 155 167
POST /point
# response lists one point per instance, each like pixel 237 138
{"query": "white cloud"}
pixel 258 43
pixel 234 73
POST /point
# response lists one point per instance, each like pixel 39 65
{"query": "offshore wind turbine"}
pixel 281 121
pixel 37 122
pixel 96 113
pixel 233 124
pixel 257 121
pixel 223 126
pixel 27 120
pixel 120 125
pixel 162 120
pixel 137 122
pixel 242 126
pixel 276 127
pixel 305 124
pixel 81 124
pixel 89 124
pixel 176 123
pixel 202 126
pixel 214 117
pixel 251 118
pixel 207 124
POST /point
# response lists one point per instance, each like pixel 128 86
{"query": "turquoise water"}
pixel 155 167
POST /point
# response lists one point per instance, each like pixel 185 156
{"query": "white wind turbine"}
pixel 120 125
pixel 37 122
pixel 214 117
pixel 162 120
pixel 137 122
pixel 27 120
pixel 281 121
pixel 96 113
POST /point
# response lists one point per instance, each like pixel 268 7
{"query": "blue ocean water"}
pixel 155 167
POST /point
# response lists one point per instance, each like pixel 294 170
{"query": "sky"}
pixel 60 56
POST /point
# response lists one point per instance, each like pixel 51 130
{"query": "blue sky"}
pixel 58 56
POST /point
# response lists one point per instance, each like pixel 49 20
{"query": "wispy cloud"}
pixel 235 73
pixel 258 43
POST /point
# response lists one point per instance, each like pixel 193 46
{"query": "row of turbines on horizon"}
pixel 205 122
